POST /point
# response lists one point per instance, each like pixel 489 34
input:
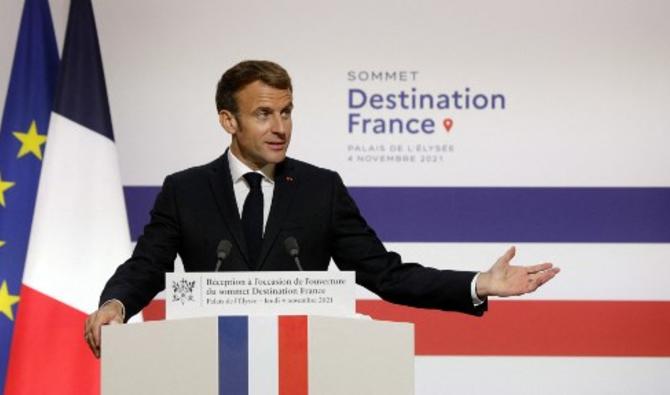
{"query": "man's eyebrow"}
pixel 263 109
pixel 271 110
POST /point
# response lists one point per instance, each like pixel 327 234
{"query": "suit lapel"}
pixel 222 186
pixel 286 184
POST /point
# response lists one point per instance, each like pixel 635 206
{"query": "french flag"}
pixel 79 232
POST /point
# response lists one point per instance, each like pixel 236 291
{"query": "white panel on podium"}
pixel 160 357
pixel 387 349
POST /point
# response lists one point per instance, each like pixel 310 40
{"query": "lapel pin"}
pixel 289 178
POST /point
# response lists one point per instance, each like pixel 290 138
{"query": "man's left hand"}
pixel 504 279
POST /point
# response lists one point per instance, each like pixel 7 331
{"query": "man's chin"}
pixel 275 157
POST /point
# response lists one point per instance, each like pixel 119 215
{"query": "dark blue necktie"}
pixel 252 217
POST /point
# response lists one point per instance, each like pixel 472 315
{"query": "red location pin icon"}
pixel 448 123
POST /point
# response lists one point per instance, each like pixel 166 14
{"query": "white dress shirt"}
pixel 241 188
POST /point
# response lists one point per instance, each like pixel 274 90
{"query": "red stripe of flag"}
pixel 292 355
pixel 48 359
pixel 154 311
pixel 531 328
pixel 538 328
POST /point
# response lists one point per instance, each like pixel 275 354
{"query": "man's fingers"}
pixel 93 327
pixel 88 331
pixel 103 317
pixel 91 344
pixel 544 276
pixel 508 255
pixel 93 334
pixel 96 336
pixel 538 268
pixel 88 335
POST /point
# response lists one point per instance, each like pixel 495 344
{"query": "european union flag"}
pixel 25 122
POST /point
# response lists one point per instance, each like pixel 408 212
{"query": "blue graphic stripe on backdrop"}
pixel 606 215
pixel 233 355
pixel 25 121
pixel 82 94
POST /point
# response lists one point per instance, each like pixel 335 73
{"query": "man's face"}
pixel 261 129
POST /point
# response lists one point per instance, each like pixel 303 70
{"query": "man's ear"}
pixel 228 121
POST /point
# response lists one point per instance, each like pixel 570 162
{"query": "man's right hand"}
pixel 111 312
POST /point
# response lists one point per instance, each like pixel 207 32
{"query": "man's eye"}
pixel 286 114
pixel 262 115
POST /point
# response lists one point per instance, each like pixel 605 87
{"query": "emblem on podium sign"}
pixel 182 291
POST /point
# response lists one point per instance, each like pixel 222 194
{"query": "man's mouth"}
pixel 277 145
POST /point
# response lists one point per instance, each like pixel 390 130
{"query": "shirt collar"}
pixel 238 169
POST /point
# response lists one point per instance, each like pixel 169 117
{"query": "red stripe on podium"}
pixel 538 328
pixel 49 354
pixel 293 355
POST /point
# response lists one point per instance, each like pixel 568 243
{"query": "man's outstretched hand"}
pixel 503 279
pixel 109 313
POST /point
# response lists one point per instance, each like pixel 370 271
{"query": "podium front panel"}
pixel 259 355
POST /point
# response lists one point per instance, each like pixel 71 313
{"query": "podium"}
pixel 259 355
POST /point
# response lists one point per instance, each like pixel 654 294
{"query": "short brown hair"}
pixel 243 74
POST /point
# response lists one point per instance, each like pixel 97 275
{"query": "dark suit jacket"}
pixel 196 209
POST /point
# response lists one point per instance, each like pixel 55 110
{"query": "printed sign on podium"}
pixel 209 294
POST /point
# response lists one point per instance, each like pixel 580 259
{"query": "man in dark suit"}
pixel 255 197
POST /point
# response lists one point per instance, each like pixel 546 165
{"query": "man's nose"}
pixel 279 124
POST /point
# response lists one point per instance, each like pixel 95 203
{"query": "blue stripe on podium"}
pixel 437 214
pixel 233 355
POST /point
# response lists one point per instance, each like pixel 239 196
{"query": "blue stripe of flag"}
pixel 435 214
pixel 81 92
pixel 29 99
pixel 233 355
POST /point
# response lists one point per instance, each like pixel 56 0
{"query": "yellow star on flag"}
pixel 4 185
pixel 2 243
pixel 7 300
pixel 30 141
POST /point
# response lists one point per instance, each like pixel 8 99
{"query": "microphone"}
pixel 291 246
pixel 222 251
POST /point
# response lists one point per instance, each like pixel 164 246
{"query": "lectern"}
pixel 264 333
pixel 259 355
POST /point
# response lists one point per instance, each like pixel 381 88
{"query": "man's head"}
pixel 243 74
pixel 254 100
